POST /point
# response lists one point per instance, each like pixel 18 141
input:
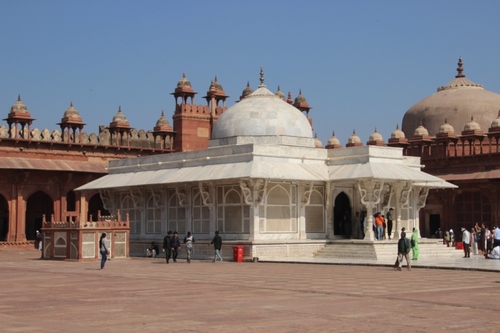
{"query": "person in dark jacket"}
pixel 404 248
pixel 176 245
pixel 168 245
pixel 217 242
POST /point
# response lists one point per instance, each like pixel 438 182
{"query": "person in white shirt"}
pixel 496 237
pixel 466 242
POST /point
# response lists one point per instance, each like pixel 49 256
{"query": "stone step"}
pixel 380 249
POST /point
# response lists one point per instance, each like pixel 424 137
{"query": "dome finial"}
pixel 261 77
pixel 71 104
pixel 460 69
pixel 19 97
pixel 184 75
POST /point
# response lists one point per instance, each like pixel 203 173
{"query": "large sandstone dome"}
pixel 456 103
pixel 262 117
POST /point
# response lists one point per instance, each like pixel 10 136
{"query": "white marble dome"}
pixel 262 113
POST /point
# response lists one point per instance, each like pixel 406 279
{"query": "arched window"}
pixel 176 220
pixel 201 214
pixel 153 213
pixel 70 201
pixel 233 215
pixel 315 211
pixel 281 208
pixel 127 207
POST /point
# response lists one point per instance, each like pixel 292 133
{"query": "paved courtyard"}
pixel 146 295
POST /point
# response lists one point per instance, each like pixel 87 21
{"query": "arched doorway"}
pixel 38 204
pixel 342 206
pixel 95 205
pixel 4 218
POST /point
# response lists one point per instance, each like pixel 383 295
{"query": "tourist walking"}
pixel 167 245
pixel 104 249
pixel 466 242
pixel 389 222
pixel 414 244
pixel 217 242
pixel 176 246
pixel 403 251
pixel 189 240
pixel 39 242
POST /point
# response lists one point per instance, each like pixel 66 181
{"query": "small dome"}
pixel 247 91
pixel 446 128
pixel 19 107
pixel 184 82
pixel 162 121
pixel 300 99
pixel 216 85
pixel 280 94
pixel 496 123
pixel 354 138
pixel 333 141
pixel 317 142
pixel 263 114
pixel 420 131
pixel 72 113
pixel 375 136
pixel 472 125
pixel 397 134
pixel 119 117
pixel 455 101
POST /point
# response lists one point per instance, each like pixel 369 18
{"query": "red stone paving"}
pixel 146 295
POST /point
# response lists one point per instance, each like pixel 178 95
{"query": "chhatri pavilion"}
pixel 264 184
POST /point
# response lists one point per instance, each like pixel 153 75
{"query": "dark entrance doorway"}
pixel 38 204
pixel 95 205
pixel 4 218
pixel 434 223
pixel 342 206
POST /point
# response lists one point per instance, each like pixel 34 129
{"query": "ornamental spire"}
pixel 460 69
pixel 261 78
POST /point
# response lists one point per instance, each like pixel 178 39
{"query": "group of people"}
pixel 482 240
pixel 382 225
pixel 172 245
pixel 404 247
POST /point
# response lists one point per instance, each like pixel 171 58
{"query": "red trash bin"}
pixel 459 245
pixel 238 253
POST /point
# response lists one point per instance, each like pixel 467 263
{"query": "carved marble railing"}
pixel 79 240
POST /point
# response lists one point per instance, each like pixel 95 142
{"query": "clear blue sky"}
pixel 360 64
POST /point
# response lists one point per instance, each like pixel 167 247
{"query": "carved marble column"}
pixel 370 193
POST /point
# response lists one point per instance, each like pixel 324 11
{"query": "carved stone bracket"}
pixel 156 198
pixel 404 196
pixel 181 196
pixel 370 191
pixel 136 196
pixel 306 197
pixel 107 200
pixel 247 192
pixel 422 197
pixel 205 195
pixel 249 186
